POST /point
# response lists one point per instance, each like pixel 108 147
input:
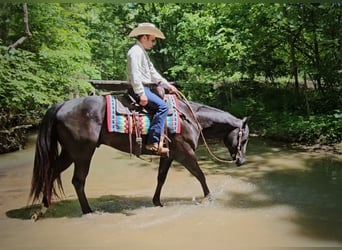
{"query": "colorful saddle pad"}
pixel 120 119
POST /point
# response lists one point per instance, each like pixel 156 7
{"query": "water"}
pixel 281 197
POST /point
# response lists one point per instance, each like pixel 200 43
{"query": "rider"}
pixel 141 75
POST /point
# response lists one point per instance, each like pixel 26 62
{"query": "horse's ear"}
pixel 245 121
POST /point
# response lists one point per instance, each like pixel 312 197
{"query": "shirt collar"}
pixel 140 45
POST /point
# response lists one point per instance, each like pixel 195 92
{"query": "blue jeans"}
pixel 159 109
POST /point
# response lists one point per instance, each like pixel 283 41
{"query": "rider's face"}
pixel 148 41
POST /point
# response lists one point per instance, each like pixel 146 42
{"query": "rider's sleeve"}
pixel 135 77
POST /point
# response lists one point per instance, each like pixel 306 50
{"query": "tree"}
pixel 27 29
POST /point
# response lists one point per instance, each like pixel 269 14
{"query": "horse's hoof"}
pixel 208 199
pixel 36 215
pixel 85 212
pixel 39 214
pixel 157 203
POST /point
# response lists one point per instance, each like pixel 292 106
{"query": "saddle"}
pixel 124 115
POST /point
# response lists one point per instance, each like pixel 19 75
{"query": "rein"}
pixel 203 138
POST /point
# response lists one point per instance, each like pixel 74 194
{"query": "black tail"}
pixel 44 170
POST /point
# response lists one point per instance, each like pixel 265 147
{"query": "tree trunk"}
pixel 306 96
pixel 294 61
pixel 27 30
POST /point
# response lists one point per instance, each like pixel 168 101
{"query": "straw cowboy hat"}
pixel 146 29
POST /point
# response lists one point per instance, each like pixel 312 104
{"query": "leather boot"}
pixel 155 148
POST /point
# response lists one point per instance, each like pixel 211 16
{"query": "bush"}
pixel 279 113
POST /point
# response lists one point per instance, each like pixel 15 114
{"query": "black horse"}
pixel 79 126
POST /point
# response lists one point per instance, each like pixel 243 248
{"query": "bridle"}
pixel 219 159
pixel 240 135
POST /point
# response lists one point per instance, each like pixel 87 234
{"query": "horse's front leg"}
pixel 189 161
pixel 164 166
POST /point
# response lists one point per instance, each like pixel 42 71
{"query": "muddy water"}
pixel 280 198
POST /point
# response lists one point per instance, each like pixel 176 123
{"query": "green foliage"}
pixel 219 54
pixel 109 45
pixel 279 114
pixel 323 129
pixel 21 89
pixel 52 66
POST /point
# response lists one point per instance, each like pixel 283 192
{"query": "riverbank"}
pixel 320 148
pixel 15 130
pixel 335 148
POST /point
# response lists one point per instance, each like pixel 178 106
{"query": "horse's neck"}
pixel 210 117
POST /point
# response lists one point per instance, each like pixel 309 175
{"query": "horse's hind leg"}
pixel 62 163
pixel 164 166
pixel 78 180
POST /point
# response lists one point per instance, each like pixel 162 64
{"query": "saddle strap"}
pixel 138 139
pixel 130 135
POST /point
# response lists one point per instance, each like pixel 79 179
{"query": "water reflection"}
pixel 278 175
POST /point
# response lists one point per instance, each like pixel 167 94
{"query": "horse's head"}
pixel 236 142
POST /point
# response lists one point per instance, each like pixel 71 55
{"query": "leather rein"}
pixel 219 159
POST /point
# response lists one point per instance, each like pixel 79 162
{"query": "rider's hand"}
pixel 172 89
pixel 143 100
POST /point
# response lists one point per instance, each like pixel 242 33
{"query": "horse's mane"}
pixel 214 114
pixel 200 106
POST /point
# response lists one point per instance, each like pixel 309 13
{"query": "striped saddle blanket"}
pixel 120 118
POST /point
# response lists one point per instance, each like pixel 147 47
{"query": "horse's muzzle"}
pixel 239 159
pixel 239 162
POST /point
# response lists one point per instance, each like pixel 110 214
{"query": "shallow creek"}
pixel 281 197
